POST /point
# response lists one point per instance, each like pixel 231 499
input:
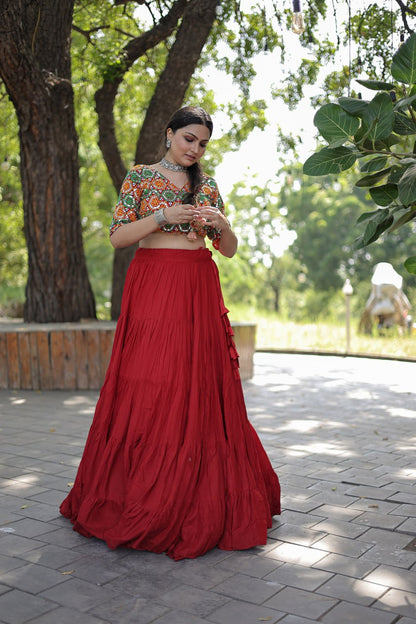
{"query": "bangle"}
pixel 160 218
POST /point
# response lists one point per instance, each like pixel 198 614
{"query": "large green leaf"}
pixel 405 102
pixel 375 164
pixel 376 85
pixel 410 264
pixel 329 160
pixel 403 124
pixel 403 67
pixel 353 106
pixel 373 178
pixel 407 186
pixel 396 173
pixel 335 124
pixel 378 117
pixel 375 228
pixel 385 194
pixel 405 218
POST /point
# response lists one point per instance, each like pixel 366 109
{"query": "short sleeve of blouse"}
pixel 127 207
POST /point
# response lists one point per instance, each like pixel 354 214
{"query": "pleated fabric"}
pixel 171 463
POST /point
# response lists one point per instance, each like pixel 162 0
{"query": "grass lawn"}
pixel 275 334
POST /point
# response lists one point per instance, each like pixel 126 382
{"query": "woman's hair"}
pixel 185 117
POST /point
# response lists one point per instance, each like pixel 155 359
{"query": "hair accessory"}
pixel 160 218
pixel 172 167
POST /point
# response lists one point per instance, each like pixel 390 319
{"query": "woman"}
pixel 171 463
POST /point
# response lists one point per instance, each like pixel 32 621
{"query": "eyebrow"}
pixel 195 137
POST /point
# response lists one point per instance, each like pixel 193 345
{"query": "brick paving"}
pixel 341 434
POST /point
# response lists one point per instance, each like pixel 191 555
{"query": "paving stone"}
pixel 32 578
pixel 399 601
pixel 17 607
pixel 193 600
pixel 295 619
pixel 253 565
pixel 298 576
pixel 297 535
pixel 63 615
pixel 125 609
pixel 348 613
pixel 196 573
pixel 180 617
pixel 350 566
pixel 292 553
pixel 352 590
pixel 30 528
pixel 299 602
pixel 341 528
pixel 247 588
pixel 14 545
pixel 77 592
pixel 9 563
pixel 379 520
pixel 94 570
pixel 149 584
pixel 393 577
pixel 51 556
pixel 336 513
pixel 342 546
pixel 238 612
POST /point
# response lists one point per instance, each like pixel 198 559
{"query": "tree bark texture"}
pixel 35 66
pixel 198 18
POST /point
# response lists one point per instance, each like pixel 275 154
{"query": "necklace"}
pixel 171 167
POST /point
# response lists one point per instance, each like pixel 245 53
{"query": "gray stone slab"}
pixel 292 553
pixel 32 578
pixel 126 609
pixel 352 590
pixel 17 606
pixel 297 535
pixel 243 587
pixel 50 556
pixel 392 576
pixel 398 601
pixel 298 576
pixel 193 600
pixel 64 615
pixel 349 566
pixel 253 565
pixel 238 612
pixel 341 528
pixel 14 545
pixel 348 613
pixel 342 545
pixel 299 602
pixel 80 593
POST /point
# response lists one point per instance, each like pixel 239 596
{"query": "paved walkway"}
pixel 341 433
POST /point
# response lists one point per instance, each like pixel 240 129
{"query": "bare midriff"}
pixel 171 240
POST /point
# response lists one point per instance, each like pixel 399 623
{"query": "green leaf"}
pixel 407 186
pixel 385 194
pixel 374 230
pixel 405 218
pixel 403 67
pixel 335 124
pixel 329 160
pixel 403 124
pixel 404 102
pixel 410 264
pixel 375 164
pixel 369 180
pixel 396 173
pixel 368 215
pixel 376 85
pixel 378 117
pixel 353 106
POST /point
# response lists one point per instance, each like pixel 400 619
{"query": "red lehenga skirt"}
pixel 171 463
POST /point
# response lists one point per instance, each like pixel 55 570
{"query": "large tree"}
pixel 36 70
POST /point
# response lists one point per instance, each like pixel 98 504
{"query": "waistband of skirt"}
pixel 173 255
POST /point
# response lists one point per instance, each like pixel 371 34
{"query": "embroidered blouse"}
pixel 145 190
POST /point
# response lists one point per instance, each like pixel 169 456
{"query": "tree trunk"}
pixel 36 68
pixel 170 91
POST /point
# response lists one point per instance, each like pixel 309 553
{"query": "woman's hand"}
pixel 180 213
pixel 213 217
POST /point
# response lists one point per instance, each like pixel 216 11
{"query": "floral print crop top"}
pixel 145 190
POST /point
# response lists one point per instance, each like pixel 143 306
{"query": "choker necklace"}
pixel 171 167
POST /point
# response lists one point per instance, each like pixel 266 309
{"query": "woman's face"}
pixel 188 144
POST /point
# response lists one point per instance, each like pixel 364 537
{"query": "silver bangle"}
pixel 160 218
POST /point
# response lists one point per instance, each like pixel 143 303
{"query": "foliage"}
pixel 380 134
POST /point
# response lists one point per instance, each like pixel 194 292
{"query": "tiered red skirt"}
pixel 171 463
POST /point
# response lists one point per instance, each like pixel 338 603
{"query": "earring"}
pixel 168 143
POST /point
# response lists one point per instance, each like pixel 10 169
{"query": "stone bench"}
pixel 75 356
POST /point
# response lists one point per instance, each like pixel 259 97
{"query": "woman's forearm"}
pixel 228 243
pixel 131 233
